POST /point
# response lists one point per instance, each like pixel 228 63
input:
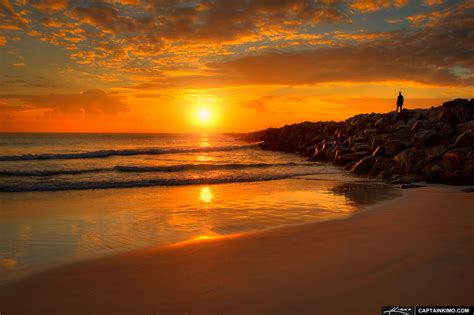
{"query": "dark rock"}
pixel 407 159
pixel 420 125
pixel 426 138
pixel 465 126
pixel 465 139
pixel 405 179
pixel 403 134
pixel 393 147
pixel 360 147
pixel 381 123
pixel 447 131
pixel 364 165
pixel 438 150
pixel 381 164
pixel 351 157
pixel 380 151
pixel 451 104
pixel 349 166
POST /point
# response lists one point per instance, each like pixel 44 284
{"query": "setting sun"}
pixel 204 115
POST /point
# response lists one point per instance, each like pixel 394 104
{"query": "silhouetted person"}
pixel 399 101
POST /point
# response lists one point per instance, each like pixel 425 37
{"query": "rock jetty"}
pixel 434 145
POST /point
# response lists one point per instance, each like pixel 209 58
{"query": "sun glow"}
pixel 204 111
pixel 204 115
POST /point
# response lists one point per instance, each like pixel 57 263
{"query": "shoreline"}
pixel 280 270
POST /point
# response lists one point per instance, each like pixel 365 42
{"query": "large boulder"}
pixel 360 147
pixel 382 123
pixel 397 179
pixel 465 126
pixel 465 139
pixel 403 134
pixel 364 165
pixel 381 165
pixel 426 138
pixel 351 157
pixel 393 147
pixel 407 159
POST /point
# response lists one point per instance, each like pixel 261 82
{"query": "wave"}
pixel 51 172
pixel 126 152
pixel 146 169
pixel 203 167
pixel 57 185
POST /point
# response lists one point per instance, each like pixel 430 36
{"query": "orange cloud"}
pixel 367 6
pixel 50 6
pixel 87 103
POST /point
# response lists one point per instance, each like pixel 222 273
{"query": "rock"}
pixel 380 151
pixel 445 117
pixel 356 139
pixel 451 104
pixel 438 150
pixel 403 134
pixel 319 155
pixel 447 131
pixel 463 127
pixel 407 159
pixel 364 165
pixel 351 157
pixel 453 157
pixel 381 164
pixel 381 123
pixel 465 139
pixel 393 147
pixel 434 171
pixel 426 138
pixel 360 147
pixel 420 125
pixel 349 166
pixel 405 179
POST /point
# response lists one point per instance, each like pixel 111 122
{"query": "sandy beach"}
pixel 415 250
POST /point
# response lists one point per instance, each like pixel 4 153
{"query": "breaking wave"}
pixel 125 152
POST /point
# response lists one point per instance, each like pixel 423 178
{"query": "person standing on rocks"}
pixel 399 101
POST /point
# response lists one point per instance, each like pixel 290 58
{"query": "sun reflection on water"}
pixel 206 195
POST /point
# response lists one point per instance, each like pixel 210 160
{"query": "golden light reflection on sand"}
pixel 206 195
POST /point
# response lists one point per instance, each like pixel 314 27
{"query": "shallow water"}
pixel 41 229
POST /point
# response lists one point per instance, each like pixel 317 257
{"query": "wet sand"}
pixel 414 250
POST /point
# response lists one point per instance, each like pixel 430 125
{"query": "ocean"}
pixel 68 197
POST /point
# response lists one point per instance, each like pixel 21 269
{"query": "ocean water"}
pixel 67 197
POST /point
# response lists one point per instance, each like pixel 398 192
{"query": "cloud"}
pixel 258 104
pixel 3 40
pixel 50 6
pixel 367 6
pixel 432 55
pixel 88 103
pixel 433 2
pixel 12 19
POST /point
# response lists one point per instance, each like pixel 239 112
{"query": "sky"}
pixel 225 65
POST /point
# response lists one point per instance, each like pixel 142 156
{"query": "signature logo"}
pixel 398 310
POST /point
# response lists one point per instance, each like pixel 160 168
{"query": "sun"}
pixel 204 116
pixel 204 112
